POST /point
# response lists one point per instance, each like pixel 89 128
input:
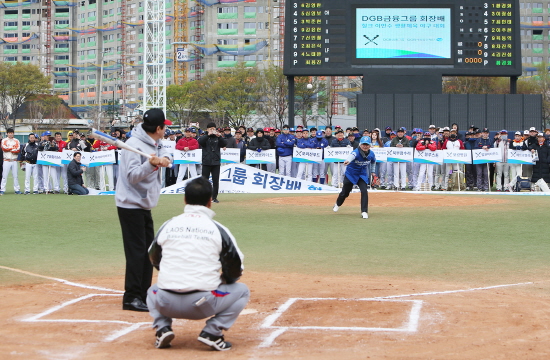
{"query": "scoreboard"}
pixel 397 37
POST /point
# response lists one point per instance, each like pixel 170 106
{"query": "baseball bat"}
pixel 96 134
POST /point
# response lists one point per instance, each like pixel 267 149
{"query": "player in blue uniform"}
pixel 356 174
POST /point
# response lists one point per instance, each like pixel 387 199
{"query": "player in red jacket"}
pixel 187 143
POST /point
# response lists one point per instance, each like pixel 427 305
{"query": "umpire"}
pixel 137 192
pixel 189 251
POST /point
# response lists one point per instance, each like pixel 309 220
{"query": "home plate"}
pixel 248 311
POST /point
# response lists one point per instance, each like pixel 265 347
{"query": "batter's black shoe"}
pixel 164 337
pixel 215 201
pixel 215 342
pixel 135 305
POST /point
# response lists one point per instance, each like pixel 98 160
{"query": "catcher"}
pixel 356 174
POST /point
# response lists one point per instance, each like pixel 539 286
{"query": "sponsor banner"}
pixel 520 157
pixel 337 154
pixel 169 146
pixel 481 156
pixel 51 158
pixel 85 158
pixel 381 154
pixel 457 156
pixel 100 158
pixel 239 178
pixel 263 157
pixel 67 156
pixel 396 154
pixel 307 155
pixel 230 156
pixel 188 157
pixel 428 157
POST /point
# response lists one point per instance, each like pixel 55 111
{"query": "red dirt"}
pixel 501 323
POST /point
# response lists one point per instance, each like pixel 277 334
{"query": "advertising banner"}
pixel 481 156
pixel 428 157
pixel 263 157
pixel 307 155
pixel 404 154
pixel 520 157
pixel 51 158
pixel 230 156
pixel 337 154
pixel 188 157
pixel 381 154
pixel 101 158
pixel 457 156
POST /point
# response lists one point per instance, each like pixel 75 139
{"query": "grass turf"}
pixel 79 237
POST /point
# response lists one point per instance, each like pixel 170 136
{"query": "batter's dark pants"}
pixel 137 235
pixel 215 171
pixel 346 189
pixel 471 175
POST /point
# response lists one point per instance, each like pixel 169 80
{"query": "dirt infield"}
pixel 451 321
pixel 389 199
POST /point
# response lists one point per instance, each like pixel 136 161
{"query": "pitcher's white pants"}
pixel 7 167
pixel 400 171
pixel 31 170
pixel 183 170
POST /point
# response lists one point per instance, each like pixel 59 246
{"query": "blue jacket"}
pixel 481 142
pixel 319 143
pixel 470 143
pixel 304 143
pixel 285 143
pixel 357 168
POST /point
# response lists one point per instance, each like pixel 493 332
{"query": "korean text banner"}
pixel 396 154
pixel 230 156
pixel 337 154
pixel 307 155
pixel 428 157
pixel 263 157
pixel 67 156
pixel 188 157
pixel 100 158
pixel 457 156
pixel 239 178
pixel 381 154
pixel 52 158
pixel 169 146
pixel 520 157
pixel 482 156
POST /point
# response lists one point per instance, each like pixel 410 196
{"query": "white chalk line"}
pixel 39 317
pixel 66 282
pixel 411 326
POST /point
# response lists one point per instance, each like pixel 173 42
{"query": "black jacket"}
pixel 211 145
pixel 74 174
pixel 29 152
pixel 259 143
pixel 541 169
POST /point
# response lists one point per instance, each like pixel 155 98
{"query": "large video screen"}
pixel 403 35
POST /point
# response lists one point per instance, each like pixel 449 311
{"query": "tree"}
pixel 231 95
pixel 17 83
pixel 273 86
pixel 45 109
pixel 182 102
pixel 309 99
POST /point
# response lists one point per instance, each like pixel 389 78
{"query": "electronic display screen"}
pixel 403 34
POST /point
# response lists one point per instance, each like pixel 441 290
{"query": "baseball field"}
pixel 436 276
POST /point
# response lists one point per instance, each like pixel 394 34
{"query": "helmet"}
pixel 365 140
pixel 46 133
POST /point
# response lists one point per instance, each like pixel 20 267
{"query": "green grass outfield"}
pixel 78 237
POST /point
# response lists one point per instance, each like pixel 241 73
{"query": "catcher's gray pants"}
pixel 439 175
pixel 226 303
pixel 294 169
pixel 304 171
pixel 502 168
pixel 413 174
pixel 386 174
pixel 271 167
pixel 285 165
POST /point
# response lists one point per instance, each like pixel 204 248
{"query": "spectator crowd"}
pixel 388 175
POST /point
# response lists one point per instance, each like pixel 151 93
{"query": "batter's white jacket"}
pixel 194 252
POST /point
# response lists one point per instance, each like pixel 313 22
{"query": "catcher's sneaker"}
pixel 364 215
pixel 164 337
pixel 335 208
pixel 215 342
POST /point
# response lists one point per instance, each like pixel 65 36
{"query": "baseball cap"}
pixel 485 130
pixel 427 134
pixel 401 129
pixel 388 128
pixel 178 131
pixel 227 128
pixel 238 132
pixel 446 128
pixel 517 133
pixel 299 130
pixel 319 134
pixel 337 127
pixel 440 130
pixel 265 129
pixel 286 127
pixel 431 127
pixel 277 130
pixel 188 130
pixel 339 131
pixel 292 129
pixel 155 117
pixel 365 140
pixel 193 130
pixel 250 129
pixel 70 133
pixel 503 131
pixel 351 134
pixel 393 133
pixel 46 133
pixel 540 134
pixel 305 130
pixel 532 129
